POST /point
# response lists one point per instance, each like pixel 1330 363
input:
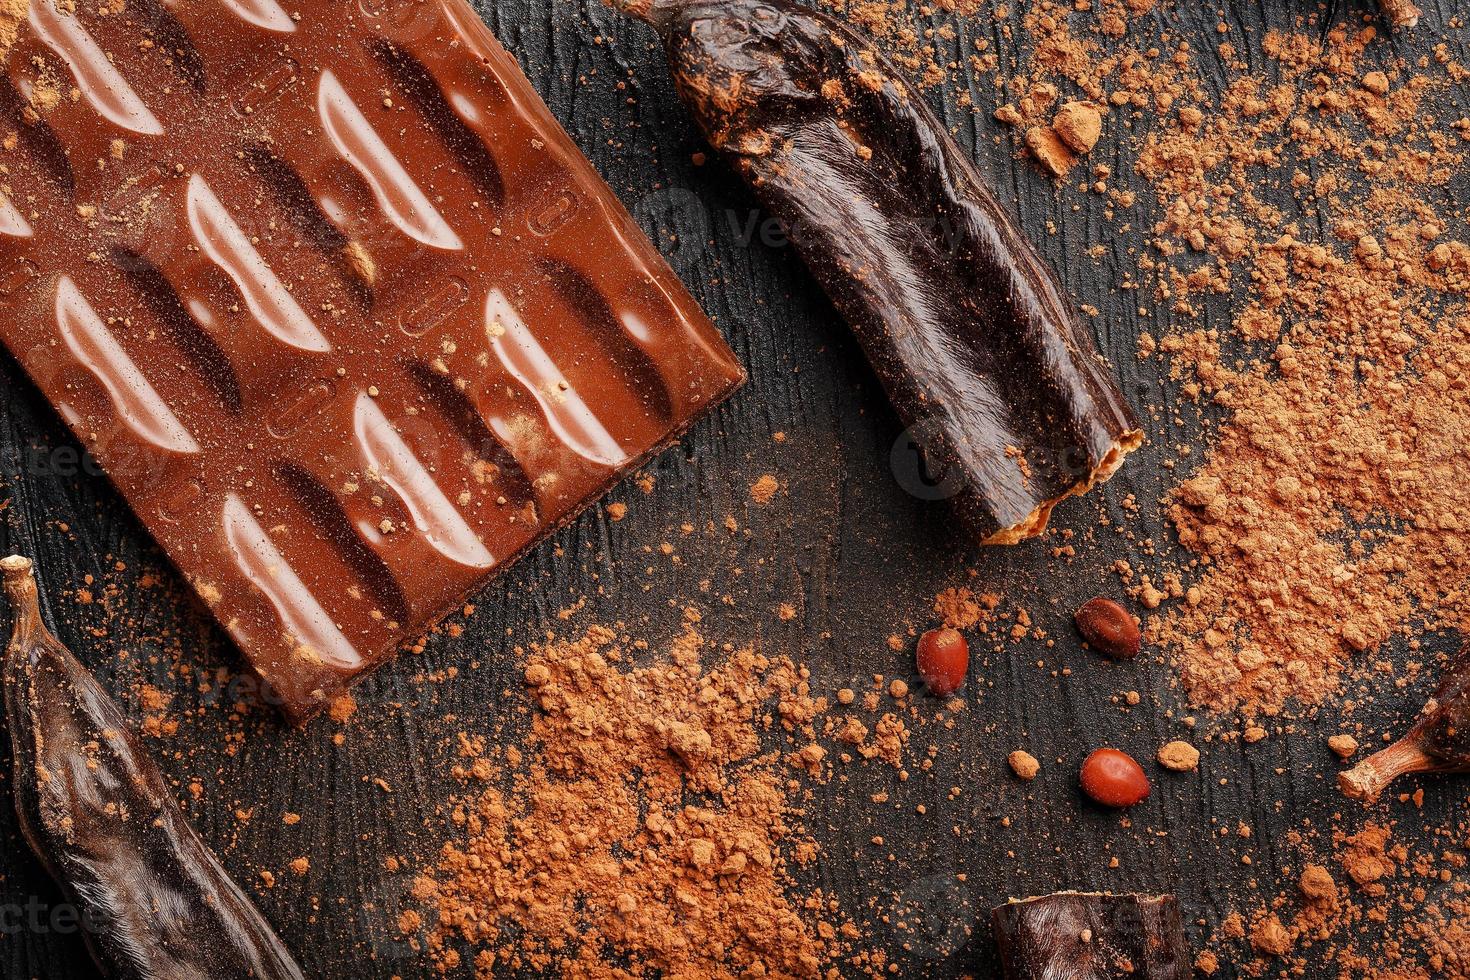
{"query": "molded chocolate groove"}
pixel 509 477
pixel 639 370
pixel 368 326
pixel 157 24
pixel 325 512
pixel 416 82
pixel 38 141
pixel 300 208
pixel 205 355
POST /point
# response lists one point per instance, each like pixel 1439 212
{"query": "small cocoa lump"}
pixel 1179 756
pixel 1024 765
pixel 1079 125
pixel 1050 151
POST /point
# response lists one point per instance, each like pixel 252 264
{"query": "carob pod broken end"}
pixel 971 333
pixel 153 900
pixel 1092 936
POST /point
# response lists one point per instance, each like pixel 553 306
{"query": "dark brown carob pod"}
pixel 1090 936
pixel 1438 742
pixel 969 330
pixel 153 900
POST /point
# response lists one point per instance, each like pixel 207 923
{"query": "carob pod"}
pixel 967 327
pixel 1089 936
pixel 154 901
pixel 1438 742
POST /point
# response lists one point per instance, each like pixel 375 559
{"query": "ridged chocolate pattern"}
pixel 336 302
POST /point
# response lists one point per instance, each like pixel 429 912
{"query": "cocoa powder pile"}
pixel 641 829
pixel 1328 513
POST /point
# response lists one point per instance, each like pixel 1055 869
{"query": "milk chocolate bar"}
pixel 335 301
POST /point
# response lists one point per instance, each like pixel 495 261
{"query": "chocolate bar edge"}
pixel 300 718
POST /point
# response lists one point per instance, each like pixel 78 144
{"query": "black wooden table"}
pixel 857 555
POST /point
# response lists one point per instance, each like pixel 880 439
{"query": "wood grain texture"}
pixel 857 556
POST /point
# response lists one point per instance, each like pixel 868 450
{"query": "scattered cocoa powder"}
pixel 652 783
pixel 13 13
pixel 1321 921
pixel 342 708
pixel 1329 508
pixel 1327 514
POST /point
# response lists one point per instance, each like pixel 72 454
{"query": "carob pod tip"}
pixel 969 330
pixel 1438 742
pixel 153 900
pixel 1092 936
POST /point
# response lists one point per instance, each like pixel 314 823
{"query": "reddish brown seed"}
pixel 1109 629
pixel 943 659
pixel 1113 778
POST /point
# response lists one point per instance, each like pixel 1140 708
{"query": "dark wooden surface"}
pixel 858 557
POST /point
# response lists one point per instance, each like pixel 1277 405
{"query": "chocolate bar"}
pixel 336 303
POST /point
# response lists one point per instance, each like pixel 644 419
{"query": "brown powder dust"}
pixel 1328 515
pixel 643 823
pixel 13 13
pixel 1349 885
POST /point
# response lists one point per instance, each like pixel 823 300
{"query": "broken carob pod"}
pixel 1089 936
pixel 966 326
pixel 1438 742
pixel 154 901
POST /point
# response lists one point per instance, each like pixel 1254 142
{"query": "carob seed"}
pixel 1113 778
pixel 943 658
pixel 1108 628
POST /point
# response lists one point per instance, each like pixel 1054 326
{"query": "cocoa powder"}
pixel 642 822
pixel 1327 515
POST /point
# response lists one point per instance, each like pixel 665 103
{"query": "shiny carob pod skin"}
pixel 1092 936
pixel 968 329
pixel 1439 742
pixel 153 901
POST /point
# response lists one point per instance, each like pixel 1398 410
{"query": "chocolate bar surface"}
pixel 335 301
